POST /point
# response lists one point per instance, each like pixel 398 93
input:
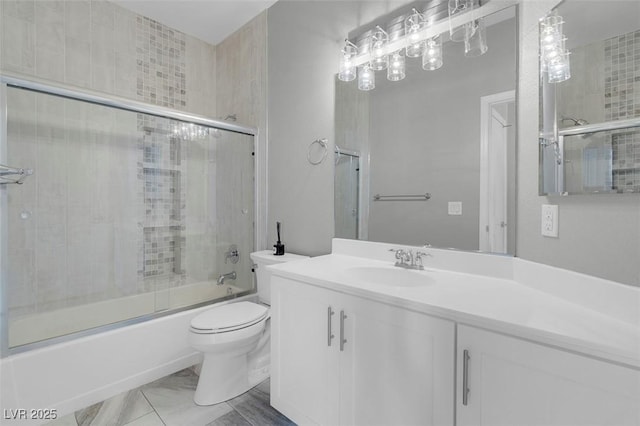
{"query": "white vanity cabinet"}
pixel 338 359
pixel 514 382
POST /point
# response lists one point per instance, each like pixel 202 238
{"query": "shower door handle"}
pixel 330 334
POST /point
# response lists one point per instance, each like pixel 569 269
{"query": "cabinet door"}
pixel 397 366
pixel 514 382
pixel 304 370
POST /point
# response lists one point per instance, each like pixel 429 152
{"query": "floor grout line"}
pixel 150 404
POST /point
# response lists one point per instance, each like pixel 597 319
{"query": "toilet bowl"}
pixel 234 339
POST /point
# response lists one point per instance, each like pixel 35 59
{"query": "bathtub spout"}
pixel 229 276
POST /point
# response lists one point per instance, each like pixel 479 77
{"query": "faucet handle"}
pixel 419 255
pixel 399 252
pixel 232 254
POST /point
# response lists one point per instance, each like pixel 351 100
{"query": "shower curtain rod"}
pixel 105 99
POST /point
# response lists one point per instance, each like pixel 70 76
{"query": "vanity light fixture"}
pixel 554 56
pixel 347 70
pixel 190 131
pixel 415 35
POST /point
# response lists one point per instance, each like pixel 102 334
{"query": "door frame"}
pixel 487 103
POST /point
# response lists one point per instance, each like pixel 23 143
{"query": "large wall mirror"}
pixel 590 115
pixel 430 159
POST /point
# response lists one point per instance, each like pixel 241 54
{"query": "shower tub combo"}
pixel 117 219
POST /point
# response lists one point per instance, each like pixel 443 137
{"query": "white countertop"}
pixel 494 303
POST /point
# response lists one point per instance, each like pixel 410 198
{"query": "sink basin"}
pixel 391 276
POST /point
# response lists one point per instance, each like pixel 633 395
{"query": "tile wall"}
pixel 98 45
pixel 241 65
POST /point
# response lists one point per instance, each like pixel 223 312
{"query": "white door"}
pixel 498 182
pixel 304 368
pixel 497 134
pixel 514 382
pixel 396 367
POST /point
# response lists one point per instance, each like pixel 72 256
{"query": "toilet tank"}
pixel 263 277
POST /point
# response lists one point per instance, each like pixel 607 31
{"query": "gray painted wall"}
pixel 599 235
pixel 304 42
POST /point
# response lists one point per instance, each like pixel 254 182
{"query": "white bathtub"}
pixel 74 374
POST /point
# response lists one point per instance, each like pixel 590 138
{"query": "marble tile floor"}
pixel 169 402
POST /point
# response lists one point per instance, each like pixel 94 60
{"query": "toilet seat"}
pixel 230 317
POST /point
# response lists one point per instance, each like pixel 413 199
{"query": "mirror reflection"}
pixel 430 159
pixel 590 134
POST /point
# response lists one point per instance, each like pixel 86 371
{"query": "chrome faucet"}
pixel 229 276
pixel 406 259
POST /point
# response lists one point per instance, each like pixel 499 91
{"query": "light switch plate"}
pixel 549 222
pixel 455 208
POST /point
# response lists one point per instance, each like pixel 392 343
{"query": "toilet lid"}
pixel 229 317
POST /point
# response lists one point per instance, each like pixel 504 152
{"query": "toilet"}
pixel 234 339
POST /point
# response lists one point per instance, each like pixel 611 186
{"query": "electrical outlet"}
pixel 549 227
pixel 455 208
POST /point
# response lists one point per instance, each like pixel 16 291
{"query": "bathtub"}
pixel 60 322
pixel 73 374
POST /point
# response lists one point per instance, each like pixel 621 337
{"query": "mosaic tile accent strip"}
pixel 622 101
pixel 161 80
pixel 163 248
pixel 162 197
pixel 622 76
pixel 161 67
pixel 626 163
pixel 164 205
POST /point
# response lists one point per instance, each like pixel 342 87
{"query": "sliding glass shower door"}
pixel 126 214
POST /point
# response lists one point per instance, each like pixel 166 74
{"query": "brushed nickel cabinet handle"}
pixel 330 335
pixel 343 317
pixel 465 377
